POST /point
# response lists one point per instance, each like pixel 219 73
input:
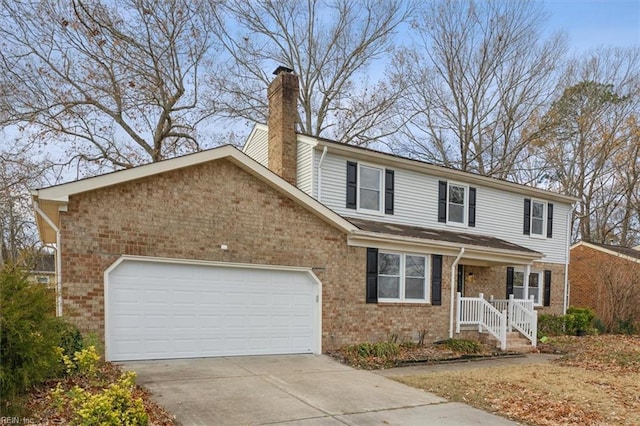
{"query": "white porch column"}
pixel 525 282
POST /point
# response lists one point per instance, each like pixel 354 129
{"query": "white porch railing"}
pixel 520 315
pixel 477 311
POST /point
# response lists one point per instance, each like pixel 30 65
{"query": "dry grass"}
pixel 597 383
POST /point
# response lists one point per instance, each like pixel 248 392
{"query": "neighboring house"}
pixel 298 245
pixel 605 278
pixel 43 270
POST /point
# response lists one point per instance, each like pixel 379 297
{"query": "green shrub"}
pixel 29 335
pixel 462 346
pixel 115 405
pixel 551 325
pixel 625 326
pixel 581 319
pixel 70 338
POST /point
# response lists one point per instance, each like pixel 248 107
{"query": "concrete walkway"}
pixel 292 390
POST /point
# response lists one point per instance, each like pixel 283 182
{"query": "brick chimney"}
pixel 283 115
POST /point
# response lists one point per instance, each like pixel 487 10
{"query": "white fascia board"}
pixel 61 193
pixel 444 172
pixel 485 254
pixel 605 250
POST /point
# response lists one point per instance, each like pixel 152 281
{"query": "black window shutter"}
pixel 372 275
pixel 509 280
pixel 442 201
pixel 388 191
pixel 472 207
pixel 436 279
pixel 549 220
pixel 352 184
pixel 526 227
pixel 547 288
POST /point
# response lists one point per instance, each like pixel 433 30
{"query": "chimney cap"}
pixel 282 69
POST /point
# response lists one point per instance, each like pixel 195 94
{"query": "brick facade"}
pixel 603 281
pixel 189 213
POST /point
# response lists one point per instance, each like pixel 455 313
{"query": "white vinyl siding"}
pixel 498 213
pixel 304 168
pixel 258 146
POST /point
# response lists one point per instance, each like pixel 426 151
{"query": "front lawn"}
pixel 597 382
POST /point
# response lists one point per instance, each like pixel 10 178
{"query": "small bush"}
pixel 581 319
pixel 70 338
pixel 115 405
pixel 625 326
pixel 379 349
pixel 29 335
pixel 462 346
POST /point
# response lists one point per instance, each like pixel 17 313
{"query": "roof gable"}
pixel 50 201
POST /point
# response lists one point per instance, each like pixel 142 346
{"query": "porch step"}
pixel 516 342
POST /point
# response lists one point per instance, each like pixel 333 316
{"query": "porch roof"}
pixel 475 243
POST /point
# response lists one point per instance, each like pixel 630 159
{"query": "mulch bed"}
pixel 412 355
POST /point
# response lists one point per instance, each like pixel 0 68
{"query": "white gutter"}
pixel 319 189
pixel 454 270
pixel 58 258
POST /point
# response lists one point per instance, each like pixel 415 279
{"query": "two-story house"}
pixel 299 245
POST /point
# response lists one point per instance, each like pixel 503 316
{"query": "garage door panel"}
pixel 169 310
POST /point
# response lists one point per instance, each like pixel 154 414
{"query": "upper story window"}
pixel 457 199
pixel 370 189
pixel 456 204
pixel 538 218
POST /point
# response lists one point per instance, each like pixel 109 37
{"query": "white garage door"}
pixel 159 310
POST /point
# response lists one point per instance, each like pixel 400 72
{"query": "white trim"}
pixel 605 250
pixel 124 258
pixel 60 193
pixel 454 271
pixel 58 257
pixel 526 271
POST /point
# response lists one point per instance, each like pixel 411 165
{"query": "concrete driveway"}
pixel 293 389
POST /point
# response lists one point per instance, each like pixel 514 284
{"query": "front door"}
pixel 461 279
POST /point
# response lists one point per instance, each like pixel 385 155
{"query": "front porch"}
pixel 508 321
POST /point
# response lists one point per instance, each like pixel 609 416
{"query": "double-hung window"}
pixel 456 204
pixel 537 217
pixel 402 277
pixel 456 199
pixel 522 290
pixel 370 188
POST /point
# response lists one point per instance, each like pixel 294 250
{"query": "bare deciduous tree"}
pixel 111 82
pixel 479 71
pixel 589 139
pixel 617 294
pixel 329 44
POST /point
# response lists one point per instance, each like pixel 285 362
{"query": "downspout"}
pixel 319 188
pixel 58 258
pixel 567 254
pixel 454 271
